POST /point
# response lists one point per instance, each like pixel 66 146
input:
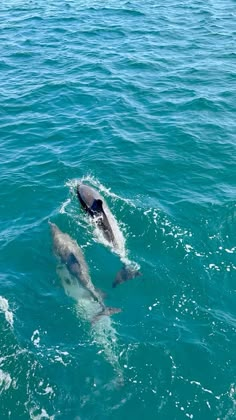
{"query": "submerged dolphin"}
pixel 95 205
pixel 72 256
pixel 75 279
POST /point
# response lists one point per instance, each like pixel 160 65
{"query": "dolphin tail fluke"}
pixel 126 273
pixel 107 311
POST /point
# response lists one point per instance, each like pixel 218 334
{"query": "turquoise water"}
pixel 138 99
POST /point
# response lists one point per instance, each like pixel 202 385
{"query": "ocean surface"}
pixel 137 99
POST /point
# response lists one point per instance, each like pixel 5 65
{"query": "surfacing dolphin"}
pixel 72 257
pixel 95 205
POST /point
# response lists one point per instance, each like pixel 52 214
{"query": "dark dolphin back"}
pixel 90 199
pixel 92 202
pixel 87 194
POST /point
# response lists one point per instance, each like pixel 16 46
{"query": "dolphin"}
pixel 72 257
pixel 95 205
pixel 75 279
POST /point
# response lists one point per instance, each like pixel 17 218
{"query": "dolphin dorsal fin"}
pixel 97 206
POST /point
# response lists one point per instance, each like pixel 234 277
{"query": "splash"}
pixel 107 191
pixel 5 381
pixel 38 413
pixel 64 206
pixel 36 338
pixel 4 307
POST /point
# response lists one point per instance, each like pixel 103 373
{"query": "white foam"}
pixel 188 248
pixel 181 236
pixel 35 338
pixel 5 380
pixel 60 356
pixel 41 416
pixel 4 307
pixel 72 184
pixel 49 390
pixel 214 266
pixel 64 206
pixel 230 251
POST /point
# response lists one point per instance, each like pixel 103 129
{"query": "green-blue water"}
pixel 138 98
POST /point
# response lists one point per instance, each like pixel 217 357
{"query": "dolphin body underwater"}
pixel 95 205
pixel 73 259
pixel 75 279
